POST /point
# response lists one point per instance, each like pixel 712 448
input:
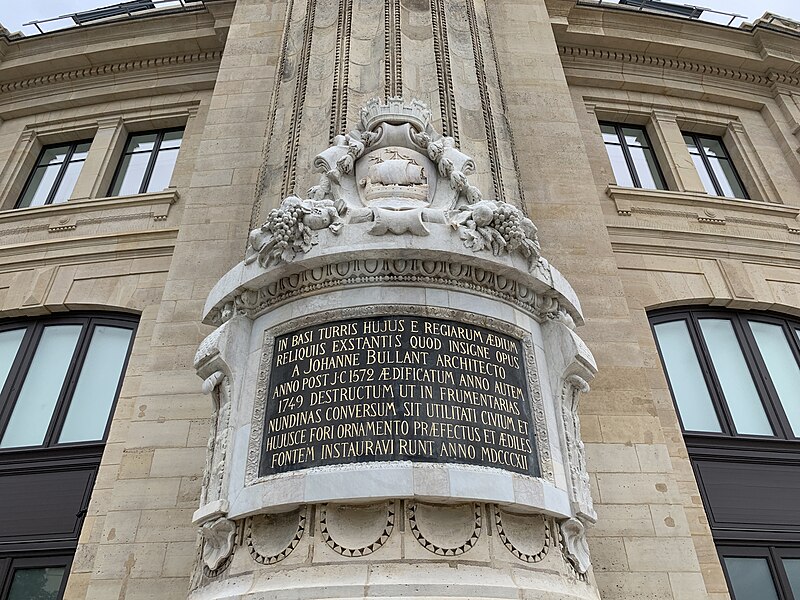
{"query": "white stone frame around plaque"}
pixel 373 481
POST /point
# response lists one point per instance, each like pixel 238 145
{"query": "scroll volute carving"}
pixel 573 368
pixel 216 362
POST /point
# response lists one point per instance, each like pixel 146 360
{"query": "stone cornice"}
pixel 766 78
pixel 112 69
pixel 676 64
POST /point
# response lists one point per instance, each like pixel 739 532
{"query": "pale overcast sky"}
pixel 13 13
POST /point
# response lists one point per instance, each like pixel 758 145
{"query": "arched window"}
pixel 59 382
pixel 735 380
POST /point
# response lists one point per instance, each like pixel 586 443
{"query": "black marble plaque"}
pixel 393 388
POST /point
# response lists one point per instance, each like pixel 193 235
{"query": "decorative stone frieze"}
pixel 356 530
pixel 270 538
pixel 446 530
pixel 527 537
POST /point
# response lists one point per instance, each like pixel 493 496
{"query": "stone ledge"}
pixel 441 483
pixel 70 215
pixel 709 209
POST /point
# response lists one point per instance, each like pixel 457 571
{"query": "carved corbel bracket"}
pixel 215 362
pixel 573 368
pixel 576 548
pixel 580 490
pixel 219 537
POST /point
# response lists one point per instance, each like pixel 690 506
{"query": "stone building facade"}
pixel 598 123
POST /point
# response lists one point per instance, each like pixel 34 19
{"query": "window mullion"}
pixel 152 162
pixel 5 572
pixel 707 164
pixel 57 182
pixel 779 574
pixel 772 396
pixel 628 158
pixel 727 157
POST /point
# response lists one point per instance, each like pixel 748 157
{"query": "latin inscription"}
pixel 397 388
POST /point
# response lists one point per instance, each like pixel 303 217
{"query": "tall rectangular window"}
pixel 65 380
pixel 59 380
pixel 631 156
pixel 53 178
pixel 714 166
pixel 735 380
pixel 147 163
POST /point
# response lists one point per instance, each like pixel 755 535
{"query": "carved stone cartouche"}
pixel 396 172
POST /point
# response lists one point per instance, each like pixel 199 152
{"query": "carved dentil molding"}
pixel 765 78
pixel 112 69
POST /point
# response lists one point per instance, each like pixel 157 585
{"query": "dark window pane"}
pixel 609 133
pixel 130 176
pixel 143 142
pixel 148 163
pixel 792 567
pixel 726 178
pixel 54 155
pixel 68 180
pixel 40 185
pixel 750 578
pixel 737 384
pixel 782 368
pixel 688 386
pixel 97 385
pixel 37 398
pixel 619 166
pixel 646 169
pixel 162 170
pixel 80 152
pixel 41 583
pixel 635 137
pixel 51 172
pixel 712 147
pixel 690 144
pixel 172 139
pixel 710 158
